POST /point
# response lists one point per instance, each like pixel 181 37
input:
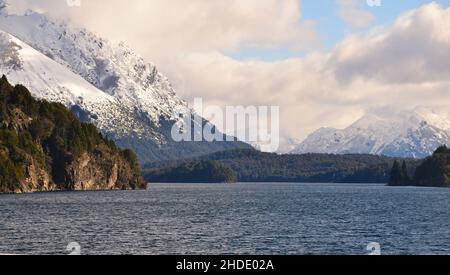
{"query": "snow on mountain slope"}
pixel 49 80
pixel 414 133
pixel 105 84
pixel 114 69
pixel 23 64
pixel 287 145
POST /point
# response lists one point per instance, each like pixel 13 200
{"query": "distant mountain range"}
pixel 415 133
pixel 108 85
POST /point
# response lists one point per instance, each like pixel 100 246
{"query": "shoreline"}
pixel 212 183
pixel 72 191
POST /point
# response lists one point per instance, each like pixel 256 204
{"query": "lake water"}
pixel 230 219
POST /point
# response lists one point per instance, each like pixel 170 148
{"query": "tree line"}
pixel 434 171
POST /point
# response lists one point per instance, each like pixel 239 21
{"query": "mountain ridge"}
pixel 139 103
pixel 415 133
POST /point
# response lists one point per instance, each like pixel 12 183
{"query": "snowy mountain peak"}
pixel 107 84
pixel 114 69
pixel 439 118
pixel 50 80
pixel 414 133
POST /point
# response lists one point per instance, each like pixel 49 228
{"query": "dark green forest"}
pixel 255 166
pixel 205 171
pixel 434 171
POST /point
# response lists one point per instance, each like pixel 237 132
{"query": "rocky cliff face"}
pixel 43 147
pixel 36 178
pixel 87 172
pixel 100 172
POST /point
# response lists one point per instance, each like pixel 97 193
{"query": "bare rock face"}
pixel 88 172
pixel 36 179
pixel 100 172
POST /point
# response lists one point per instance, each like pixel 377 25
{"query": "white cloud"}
pixel 402 66
pixel 352 12
pixel 414 50
pixel 170 27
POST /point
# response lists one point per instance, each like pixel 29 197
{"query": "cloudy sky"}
pixel 324 62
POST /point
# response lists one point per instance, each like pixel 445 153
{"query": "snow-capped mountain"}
pixel 287 144
pixel 415 133
pixel 103 83
pixel 52 81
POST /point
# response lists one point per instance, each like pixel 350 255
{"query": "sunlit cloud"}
pixel 352 12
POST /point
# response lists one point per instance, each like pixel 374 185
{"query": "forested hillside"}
pixel 44 147
pixel 434 171
pixel 255 166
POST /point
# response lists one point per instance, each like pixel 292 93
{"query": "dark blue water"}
pixel 230 219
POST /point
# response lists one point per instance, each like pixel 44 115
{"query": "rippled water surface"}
pixel 274 218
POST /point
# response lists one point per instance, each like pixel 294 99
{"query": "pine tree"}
pixel 396 175
pixel 435 170
pixel 405 175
